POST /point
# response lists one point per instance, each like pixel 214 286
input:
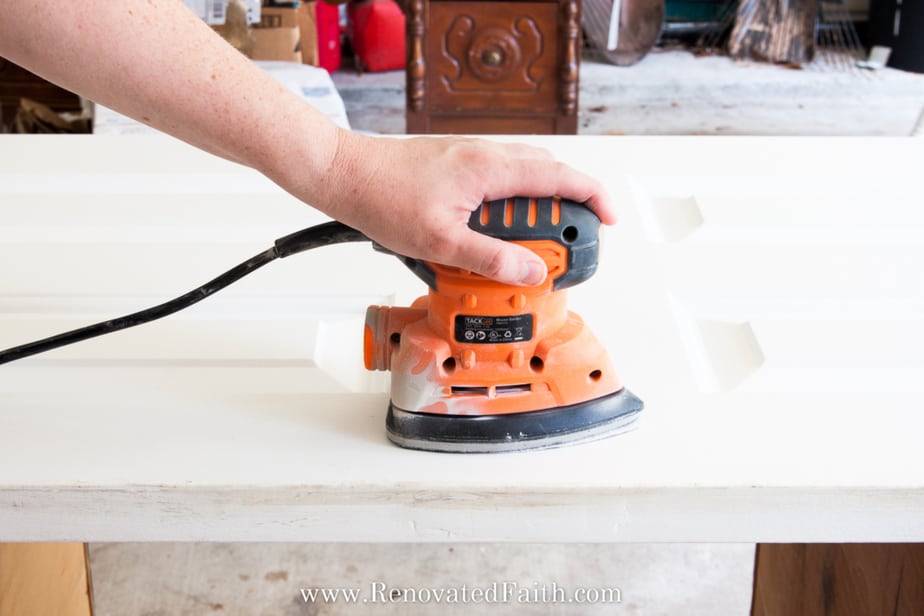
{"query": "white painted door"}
pixel 763 296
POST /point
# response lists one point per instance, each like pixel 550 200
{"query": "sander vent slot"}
pixel 513 389
pixel 462 390
pixel 499 390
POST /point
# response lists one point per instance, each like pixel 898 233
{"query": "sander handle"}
pixel 527 220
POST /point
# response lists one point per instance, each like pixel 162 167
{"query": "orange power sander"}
pixel 480 366
pixel 477 366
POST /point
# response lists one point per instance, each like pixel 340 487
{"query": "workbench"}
pixel 763 296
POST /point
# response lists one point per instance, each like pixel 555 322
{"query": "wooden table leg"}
pixel 838 579
pixel 45 578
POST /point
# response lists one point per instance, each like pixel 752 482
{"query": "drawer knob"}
pixel 492 57
pixel 494 54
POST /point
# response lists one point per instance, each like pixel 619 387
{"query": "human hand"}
pixel 415 197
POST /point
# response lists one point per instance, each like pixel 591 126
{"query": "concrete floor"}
pixel 674 92
pixel 269 579
pixel 668 92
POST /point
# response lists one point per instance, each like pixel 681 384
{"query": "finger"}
pixel 533 177
pixel 499 260
pixel 601 204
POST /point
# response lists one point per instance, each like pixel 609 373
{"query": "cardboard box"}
pixel 308 30
pixel 236 29
pixel 277 44
pixel 277 37
pixel 214 12
pixel 288 34
pixel 278 17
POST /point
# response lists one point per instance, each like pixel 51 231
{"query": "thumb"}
pixel 499 260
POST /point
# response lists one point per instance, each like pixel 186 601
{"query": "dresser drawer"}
pixel 486 55
pixel 492 124
pixel 492 66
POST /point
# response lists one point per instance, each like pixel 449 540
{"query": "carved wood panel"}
pixel 493 67
pixel 498 57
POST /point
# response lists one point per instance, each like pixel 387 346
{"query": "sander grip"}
pixel 567 223
pixel 529 221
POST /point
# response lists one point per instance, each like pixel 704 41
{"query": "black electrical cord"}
pixel 313 237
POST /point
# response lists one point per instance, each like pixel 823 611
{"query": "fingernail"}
pixel 534 274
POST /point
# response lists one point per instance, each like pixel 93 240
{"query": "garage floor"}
pixel 678 93
pixel 668 92
pixel 270 579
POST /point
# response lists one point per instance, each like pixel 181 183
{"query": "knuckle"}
pixel 432 243
pixel 492 264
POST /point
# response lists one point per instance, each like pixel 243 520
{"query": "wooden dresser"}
pixel 493 67
pixel 16 83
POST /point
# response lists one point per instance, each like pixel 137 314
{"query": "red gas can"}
pixel 327 17
pixel 376 30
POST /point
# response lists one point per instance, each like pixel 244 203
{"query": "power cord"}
pixel 313 237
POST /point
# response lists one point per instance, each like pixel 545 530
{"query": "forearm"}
pixel 157 62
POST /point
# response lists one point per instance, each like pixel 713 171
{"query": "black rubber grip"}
pixel 574 226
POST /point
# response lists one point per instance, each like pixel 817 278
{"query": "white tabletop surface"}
pixel 764 296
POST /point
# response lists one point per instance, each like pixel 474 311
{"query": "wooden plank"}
pixel 775 31
pixel 852 579
pixel 45 578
